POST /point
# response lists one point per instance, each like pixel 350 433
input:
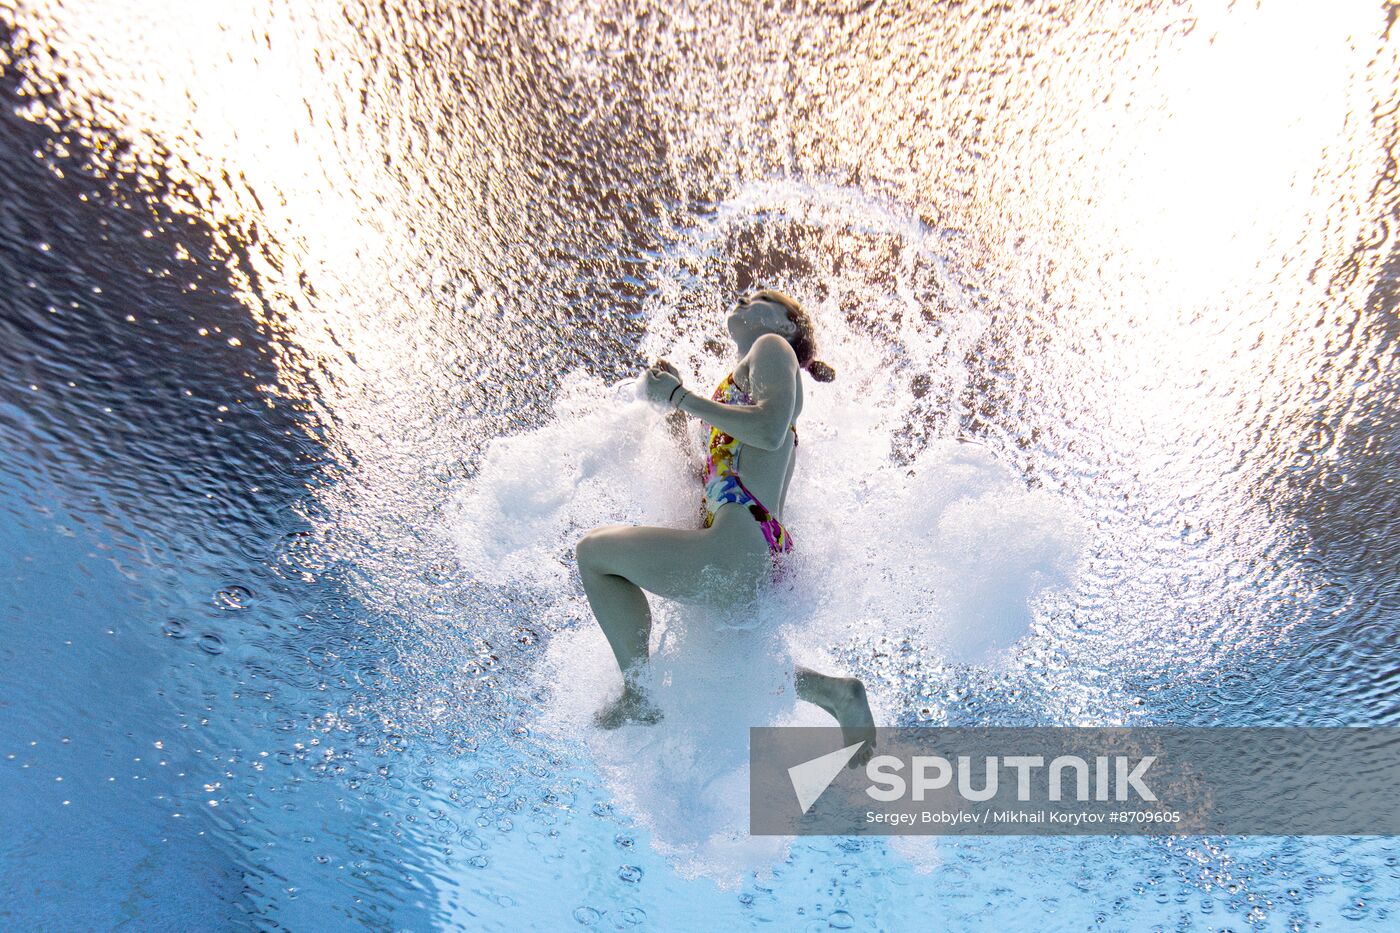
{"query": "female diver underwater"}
pixel 753 420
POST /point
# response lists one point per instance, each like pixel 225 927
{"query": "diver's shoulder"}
pixel 773 347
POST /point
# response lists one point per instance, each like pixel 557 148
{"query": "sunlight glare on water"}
pixel 1109 289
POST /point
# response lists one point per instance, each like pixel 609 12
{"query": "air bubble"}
pixel 233 598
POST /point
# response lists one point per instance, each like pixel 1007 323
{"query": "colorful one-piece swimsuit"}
pixel 722 482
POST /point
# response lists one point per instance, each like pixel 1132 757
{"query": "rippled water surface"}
pixel 310 317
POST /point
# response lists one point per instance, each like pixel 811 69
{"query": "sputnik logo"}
pixel 811 778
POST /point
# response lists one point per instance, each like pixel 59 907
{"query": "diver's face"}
pixel 754 315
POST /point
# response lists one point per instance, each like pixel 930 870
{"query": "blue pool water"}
pixel 311 325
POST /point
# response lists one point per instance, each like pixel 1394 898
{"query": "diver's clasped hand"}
pixel 661 383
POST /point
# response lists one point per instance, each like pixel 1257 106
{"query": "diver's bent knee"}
pixel 591 549
pixel 585 551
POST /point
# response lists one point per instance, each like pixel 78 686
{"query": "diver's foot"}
pixel 632 706
pixel 852 711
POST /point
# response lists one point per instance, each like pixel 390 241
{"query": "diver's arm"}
pixel 676 421
pixel 679 427
pixel 772 386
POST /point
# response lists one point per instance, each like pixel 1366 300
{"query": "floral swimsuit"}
pixel 722 482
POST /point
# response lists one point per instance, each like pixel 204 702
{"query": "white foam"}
pixel 686 777
pixel 604 458
pixel 950 551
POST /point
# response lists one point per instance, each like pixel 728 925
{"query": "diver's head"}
pixel 768 311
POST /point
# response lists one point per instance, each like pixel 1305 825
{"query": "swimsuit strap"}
pixel 725 394
pixel 722 482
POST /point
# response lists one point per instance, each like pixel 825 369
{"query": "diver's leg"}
pixel 617 563
pixel 620 607
pixel 845 699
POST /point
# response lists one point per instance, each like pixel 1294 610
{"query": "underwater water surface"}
pixel 315 326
